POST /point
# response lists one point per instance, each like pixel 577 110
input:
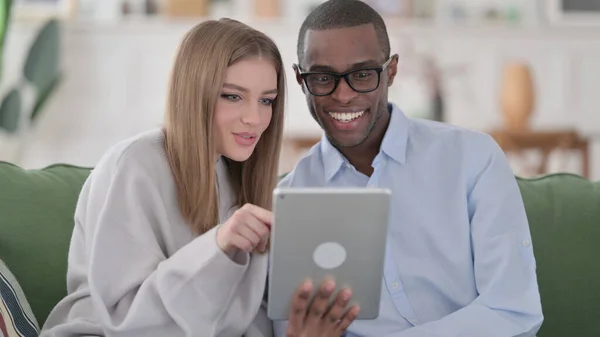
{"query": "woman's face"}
pixel 244 107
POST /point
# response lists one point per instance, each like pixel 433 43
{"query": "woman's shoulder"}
pixel 144 152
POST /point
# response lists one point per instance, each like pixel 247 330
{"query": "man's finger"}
pixel 348 318
pixel 320 303
pixel 335 313
pixel 299 306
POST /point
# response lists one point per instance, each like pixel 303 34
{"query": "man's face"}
pixel 347 116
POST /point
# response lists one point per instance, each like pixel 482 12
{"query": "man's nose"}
pixel 344 93
pixel 251 114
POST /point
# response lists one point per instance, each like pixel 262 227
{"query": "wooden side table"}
pixel 302 143
pixel 546 142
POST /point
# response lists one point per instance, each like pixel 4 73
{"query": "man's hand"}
pixel 319 320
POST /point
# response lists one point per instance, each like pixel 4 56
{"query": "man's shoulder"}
pixel 450 138
pixel 445 131
pixel 308 170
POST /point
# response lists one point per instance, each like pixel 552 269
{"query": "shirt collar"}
pixel 395 139
pixel 332 158
pixel 393 144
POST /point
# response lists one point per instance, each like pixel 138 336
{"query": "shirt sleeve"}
pixel 135 289
pixel 505 273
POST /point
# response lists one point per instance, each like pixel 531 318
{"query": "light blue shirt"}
pixel 459 258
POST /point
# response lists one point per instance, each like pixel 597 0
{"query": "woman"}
pixel 160 245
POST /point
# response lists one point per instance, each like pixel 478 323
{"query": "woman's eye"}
pixel 231 97
pixel 267 101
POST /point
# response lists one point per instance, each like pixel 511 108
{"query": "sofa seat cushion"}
pixel 16 317
pixel 564 219
pixel 36 223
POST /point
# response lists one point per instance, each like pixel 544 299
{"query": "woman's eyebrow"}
pixel 242 89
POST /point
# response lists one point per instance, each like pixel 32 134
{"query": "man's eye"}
pixel 322 78
pixel 361 74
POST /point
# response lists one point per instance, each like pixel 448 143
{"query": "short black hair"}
pixel 334 14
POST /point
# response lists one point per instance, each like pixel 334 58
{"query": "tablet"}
pixel 320 232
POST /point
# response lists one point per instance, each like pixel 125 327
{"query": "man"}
pixel 459 258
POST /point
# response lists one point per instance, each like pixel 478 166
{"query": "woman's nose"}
pixel 251 114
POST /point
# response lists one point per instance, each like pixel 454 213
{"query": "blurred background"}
pixel 78 76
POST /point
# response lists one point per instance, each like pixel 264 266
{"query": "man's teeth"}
pixel 346 116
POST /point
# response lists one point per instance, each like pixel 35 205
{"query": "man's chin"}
pixel 345 141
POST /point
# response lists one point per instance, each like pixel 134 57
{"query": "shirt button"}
pixel 395 285
pixel 526 243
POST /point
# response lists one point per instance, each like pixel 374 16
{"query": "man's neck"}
pixel 362 156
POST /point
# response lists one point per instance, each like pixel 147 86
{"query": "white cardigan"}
pixel 136 269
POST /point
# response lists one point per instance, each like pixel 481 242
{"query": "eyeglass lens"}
pixel 359 80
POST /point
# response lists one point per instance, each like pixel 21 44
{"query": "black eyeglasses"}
pixel 323 83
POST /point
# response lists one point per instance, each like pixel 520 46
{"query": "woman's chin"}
pixel 239 155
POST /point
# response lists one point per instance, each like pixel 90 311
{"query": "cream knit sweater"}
pixel 136 269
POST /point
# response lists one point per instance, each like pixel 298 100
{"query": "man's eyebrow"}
pixel 242 89
pixel 357 65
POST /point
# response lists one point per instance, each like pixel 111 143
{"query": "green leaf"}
pixel 10 111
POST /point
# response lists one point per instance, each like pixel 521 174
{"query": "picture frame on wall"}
pixel 574 12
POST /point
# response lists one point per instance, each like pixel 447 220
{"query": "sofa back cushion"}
pixel 36 223
pixel 564 218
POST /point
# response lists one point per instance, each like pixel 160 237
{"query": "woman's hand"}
pixel 247 229
pixel 320 320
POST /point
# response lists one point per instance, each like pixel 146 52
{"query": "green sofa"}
pixel 36 220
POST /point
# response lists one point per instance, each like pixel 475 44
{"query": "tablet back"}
pixel 319 232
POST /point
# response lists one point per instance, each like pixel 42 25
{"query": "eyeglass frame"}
pixel 345 75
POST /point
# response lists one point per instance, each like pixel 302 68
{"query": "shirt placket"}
pixel 391 274
pixel 396 289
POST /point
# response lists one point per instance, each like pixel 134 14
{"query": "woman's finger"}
pixel 261 229
pixel 260 213
pixel 241 243
pixel 245 231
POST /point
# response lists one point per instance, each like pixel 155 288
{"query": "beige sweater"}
pixel 135 267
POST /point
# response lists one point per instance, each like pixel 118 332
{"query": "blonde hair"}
pixel 196 83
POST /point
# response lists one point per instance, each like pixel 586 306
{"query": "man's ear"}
pixel 297 73
pixel 298 77
pixel 392 69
